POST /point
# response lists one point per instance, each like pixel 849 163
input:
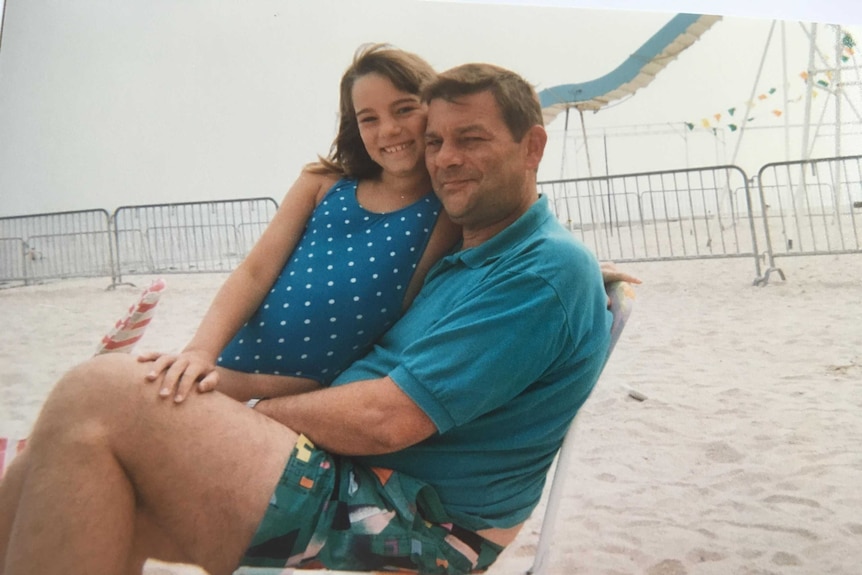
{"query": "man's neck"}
pixel 476 236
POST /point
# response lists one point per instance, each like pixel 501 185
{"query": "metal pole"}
pixel 2 22
pixel 753 92
pixel 806 124
pixel 839 96
pixel 786 87
pixel 608 173
pixel 565 143
pixel 806 127
pixel 592 197
pixel 586 144
pixel 838 91
pixel 563 168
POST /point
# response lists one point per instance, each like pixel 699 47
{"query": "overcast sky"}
pixel 112 102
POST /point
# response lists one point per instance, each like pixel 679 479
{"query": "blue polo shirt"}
pixel 501 347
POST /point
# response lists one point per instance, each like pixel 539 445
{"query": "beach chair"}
pixel 9 448
pixel 621 300
pixel 129 329
pixel 621 297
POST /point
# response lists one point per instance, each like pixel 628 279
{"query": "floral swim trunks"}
pixel 327 511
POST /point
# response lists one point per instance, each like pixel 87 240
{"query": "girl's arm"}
pixel 241 294
pixel 443 238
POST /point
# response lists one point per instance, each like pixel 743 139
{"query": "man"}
pixel 443 434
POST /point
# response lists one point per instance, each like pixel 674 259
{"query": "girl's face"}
pixel 391 124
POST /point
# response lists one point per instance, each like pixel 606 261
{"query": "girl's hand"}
pixel 611 274
pixel 180 373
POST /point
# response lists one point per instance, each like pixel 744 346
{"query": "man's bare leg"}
pixel 11 489
pixel 108 454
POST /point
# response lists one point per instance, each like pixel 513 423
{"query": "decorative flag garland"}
pixel 731 121
pixel 823 80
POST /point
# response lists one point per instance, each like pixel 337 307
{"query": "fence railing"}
pixel 55 245
pixel 661 216
pixel 190 237
pixel 149 239
pixel 800 208
pixel 812 207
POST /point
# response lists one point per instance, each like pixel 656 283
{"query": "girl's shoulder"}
pixel 319 184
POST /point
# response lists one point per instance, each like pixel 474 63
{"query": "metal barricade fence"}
pixel 803 208
pixel 660 216
pixel 188 237
pixel 812 207
pixel 55 246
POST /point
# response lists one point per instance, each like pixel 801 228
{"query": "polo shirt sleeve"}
pixel 485 350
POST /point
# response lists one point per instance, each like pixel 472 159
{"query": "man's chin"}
pixel 456 210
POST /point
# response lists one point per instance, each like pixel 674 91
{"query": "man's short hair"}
pixel 516 98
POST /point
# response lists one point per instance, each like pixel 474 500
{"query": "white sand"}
pixel 745 457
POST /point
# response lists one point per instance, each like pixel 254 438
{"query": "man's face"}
pixel 477 168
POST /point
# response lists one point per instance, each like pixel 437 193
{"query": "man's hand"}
pixel 368 417
pixel 180 373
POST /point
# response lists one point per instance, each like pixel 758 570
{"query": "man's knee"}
pixel 104 372
pixel 103 384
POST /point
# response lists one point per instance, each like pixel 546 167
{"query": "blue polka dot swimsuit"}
pixel 340 290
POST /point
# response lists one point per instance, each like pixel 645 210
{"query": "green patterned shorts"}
pixel 328 511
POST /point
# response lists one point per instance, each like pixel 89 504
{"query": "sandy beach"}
pixel 744 458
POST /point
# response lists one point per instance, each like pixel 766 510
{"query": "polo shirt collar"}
pixel 514 234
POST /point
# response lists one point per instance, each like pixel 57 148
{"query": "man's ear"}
pixel 535 140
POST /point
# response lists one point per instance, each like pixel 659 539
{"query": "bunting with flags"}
pixel 760 105
pixel 728 119
pixel 849 47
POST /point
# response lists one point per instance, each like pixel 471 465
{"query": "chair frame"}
pixel 621 299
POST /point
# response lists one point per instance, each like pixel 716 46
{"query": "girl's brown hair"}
pixel 407 72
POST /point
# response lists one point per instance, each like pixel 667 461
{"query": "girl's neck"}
pixel 390 192
pixel 413 185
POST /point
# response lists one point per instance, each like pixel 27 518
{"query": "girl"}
pixel 344 255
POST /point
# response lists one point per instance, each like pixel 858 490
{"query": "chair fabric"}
pixel 130 328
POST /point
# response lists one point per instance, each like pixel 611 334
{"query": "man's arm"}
pixel 367 417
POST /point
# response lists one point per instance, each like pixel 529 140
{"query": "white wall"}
pixel 112 102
